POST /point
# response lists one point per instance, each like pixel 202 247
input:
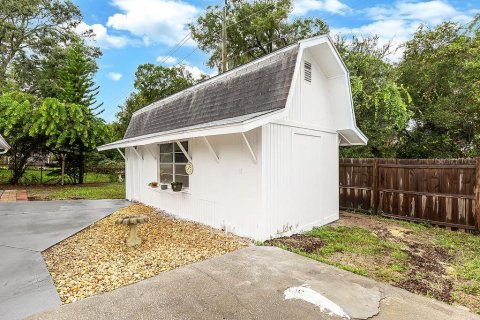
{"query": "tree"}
pixel 75 78
pixel 74 85
pixel 65 126
pixel 30 28
pixel 441 71
pixel 16 120
pixel 39 74
pixel 382 107
pixel 133 103
pixel 152 83
pixel 255 28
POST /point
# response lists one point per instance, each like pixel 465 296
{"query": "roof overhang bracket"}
pixel 183 150
pixel 214 154
pixel 138 154
pixel 121 153
pixel 343 137
pixel 152 153
pixel 252 154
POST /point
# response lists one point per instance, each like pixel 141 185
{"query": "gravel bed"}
pixel 97 260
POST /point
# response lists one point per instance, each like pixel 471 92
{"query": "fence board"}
pixel 437 191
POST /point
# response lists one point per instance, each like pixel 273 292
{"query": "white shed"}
pixel 4 147
pixel 263 140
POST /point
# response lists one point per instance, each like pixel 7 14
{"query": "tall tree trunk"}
pixel 62 163
pixel 19 166
pixel 81 169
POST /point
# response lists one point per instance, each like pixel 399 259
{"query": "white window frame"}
pixel 173 163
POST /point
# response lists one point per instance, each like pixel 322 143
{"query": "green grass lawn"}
pixel 113 190
pixel 435 262
pixel 48 176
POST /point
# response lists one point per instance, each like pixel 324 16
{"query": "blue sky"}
pixel 132 32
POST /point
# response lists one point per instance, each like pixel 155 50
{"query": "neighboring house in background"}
pixel 4 146
pixel 263 140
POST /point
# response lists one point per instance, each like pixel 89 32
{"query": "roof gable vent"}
pixel 307 74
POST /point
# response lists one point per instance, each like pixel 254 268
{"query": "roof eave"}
pixel 189 133
pixel 356 138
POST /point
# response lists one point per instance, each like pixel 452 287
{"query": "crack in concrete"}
pixel 383 297
pixel 252 316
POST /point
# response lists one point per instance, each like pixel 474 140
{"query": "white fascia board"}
pixel 187 133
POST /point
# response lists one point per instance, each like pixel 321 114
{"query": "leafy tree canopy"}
pixel 441 70
pixel 29 29
pixel 65 125
pixel 254 28
pixel 152 83
pixel 75 78
pixel 16 110
pixel 68 130
pixel 382 107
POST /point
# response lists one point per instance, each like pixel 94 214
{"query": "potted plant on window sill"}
pixel 177 186
pixel 153 184
pixel 163 181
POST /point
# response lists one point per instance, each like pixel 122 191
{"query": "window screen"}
pixel 172 163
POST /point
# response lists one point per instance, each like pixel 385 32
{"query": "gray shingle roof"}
pixel 262 85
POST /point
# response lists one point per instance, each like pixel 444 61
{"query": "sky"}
pixel 132 32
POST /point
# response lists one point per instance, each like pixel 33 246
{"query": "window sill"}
pixel 169 190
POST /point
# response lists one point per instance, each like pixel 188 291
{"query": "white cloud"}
pixel 155 21
pixel 167 59
pixel 195 71
pixel 115 76
pixel 102 37
pixel 302 7
pixel 398 21
pixel 431 12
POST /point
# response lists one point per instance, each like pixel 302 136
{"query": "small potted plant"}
pixel 163 181
pixel 176 186
pixel 153 184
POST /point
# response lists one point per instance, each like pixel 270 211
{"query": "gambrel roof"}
pixel 4 146
pixel 252 95
pixel 261 87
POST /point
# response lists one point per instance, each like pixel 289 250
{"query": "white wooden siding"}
pixel 311 101
pixel 287 190
pixel 225 193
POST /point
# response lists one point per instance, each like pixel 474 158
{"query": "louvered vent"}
pixel 308 71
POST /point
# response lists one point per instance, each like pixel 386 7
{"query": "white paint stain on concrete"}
pixel 313 297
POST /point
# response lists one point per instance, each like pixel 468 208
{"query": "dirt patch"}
pixel 421 259
pixel 302 242
pixel 427 274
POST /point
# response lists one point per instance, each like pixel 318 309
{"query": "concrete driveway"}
pixel 253 283
pixel 28 228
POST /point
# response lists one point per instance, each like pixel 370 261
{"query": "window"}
pixel 172 163
pixel 307 74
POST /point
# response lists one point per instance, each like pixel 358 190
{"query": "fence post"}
pixel 375 194
pixel 477 194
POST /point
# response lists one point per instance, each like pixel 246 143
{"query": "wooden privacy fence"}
pixel 443 192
